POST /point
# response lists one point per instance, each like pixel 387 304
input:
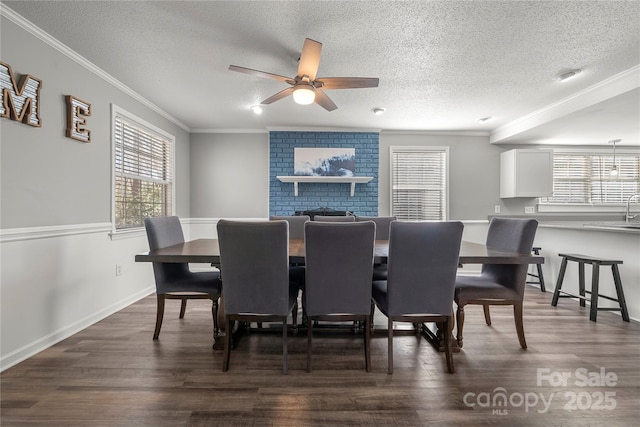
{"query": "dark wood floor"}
pixel 113 374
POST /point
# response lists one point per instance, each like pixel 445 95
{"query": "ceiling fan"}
pixel 305 87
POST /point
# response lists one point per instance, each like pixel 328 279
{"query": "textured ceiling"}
pixel 442 64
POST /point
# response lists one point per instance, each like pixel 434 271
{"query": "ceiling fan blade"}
pixel 262 74
pixel 324 101
pixel 310 59
pixel 347 82
pixel 278 96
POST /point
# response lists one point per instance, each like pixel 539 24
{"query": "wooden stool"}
pixel 539 276
pixel 595 264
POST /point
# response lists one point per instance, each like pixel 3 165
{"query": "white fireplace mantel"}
pixel 353 180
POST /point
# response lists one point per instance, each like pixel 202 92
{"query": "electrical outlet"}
pixel 529 209
pixel 496 209
pixel 118 270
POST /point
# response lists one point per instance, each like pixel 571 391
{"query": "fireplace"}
pixel 324 212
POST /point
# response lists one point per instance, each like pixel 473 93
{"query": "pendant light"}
pixel 614 168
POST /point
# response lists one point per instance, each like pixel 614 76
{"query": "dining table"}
pixel 208 251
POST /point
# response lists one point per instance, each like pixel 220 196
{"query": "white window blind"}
pixel 419 183
pixel 143 172
pixel 585 179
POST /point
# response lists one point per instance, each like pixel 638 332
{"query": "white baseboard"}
pixel 31 349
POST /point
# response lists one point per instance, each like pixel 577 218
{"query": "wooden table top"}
pixel 207 251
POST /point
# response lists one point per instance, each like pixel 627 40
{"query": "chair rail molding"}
pixel 30 233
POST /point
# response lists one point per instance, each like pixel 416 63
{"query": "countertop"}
pixel 584 222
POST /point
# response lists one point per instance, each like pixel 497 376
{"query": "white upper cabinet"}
pixel 526 173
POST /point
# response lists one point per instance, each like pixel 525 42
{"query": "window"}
pixel 583 178
pixel 419 189
pixel 143 171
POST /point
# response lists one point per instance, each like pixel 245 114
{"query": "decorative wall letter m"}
pixel 20 103
pixel 76 108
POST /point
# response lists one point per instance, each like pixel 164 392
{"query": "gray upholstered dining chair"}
pixel 339 259
pixel 296 224
pixel 382 233
pixel 422 263
pixel 383 224
pixel 254 263
pixel 334 218
pixel 499 284
pixel 175 280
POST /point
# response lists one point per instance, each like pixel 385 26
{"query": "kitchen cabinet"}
pixel 526 173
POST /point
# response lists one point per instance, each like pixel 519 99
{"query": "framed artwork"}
pixel 324 161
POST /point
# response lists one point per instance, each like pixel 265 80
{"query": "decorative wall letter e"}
pixel 20 103
pixel 76 109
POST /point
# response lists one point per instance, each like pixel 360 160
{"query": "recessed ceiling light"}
pixel 257 109
pixel 378 111
pixel 565 75
pixel 484 119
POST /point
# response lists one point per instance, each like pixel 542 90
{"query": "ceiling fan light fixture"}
pixel 257 109
pixel 304 94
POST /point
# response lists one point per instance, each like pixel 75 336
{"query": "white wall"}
pixel 57 281
pixel 474 170
pixel 605 244
pixel 57 258
pixel 229 175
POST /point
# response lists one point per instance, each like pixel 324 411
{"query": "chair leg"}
pixel 214 313
pixel 159 315
pixel 556 293
pixel 390 346
pixel 294 315
pixel 227 343
pixel 367 342
pixel 541 278
pixel 285 368
pixel 487 314
pixel 595 278
pixel 183 307
pixel 447 344
pixel 581 289
pixel 517 314
pixel 309 335
pixel 459 324
pixel 373 312
pixel 618 282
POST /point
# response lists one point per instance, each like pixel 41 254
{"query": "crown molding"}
pixel 437 132
pixel 319 129
pixel 232 130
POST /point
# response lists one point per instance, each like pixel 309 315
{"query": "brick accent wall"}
pixel 323 195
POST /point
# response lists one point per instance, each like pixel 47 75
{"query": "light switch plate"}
pixel 529 209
